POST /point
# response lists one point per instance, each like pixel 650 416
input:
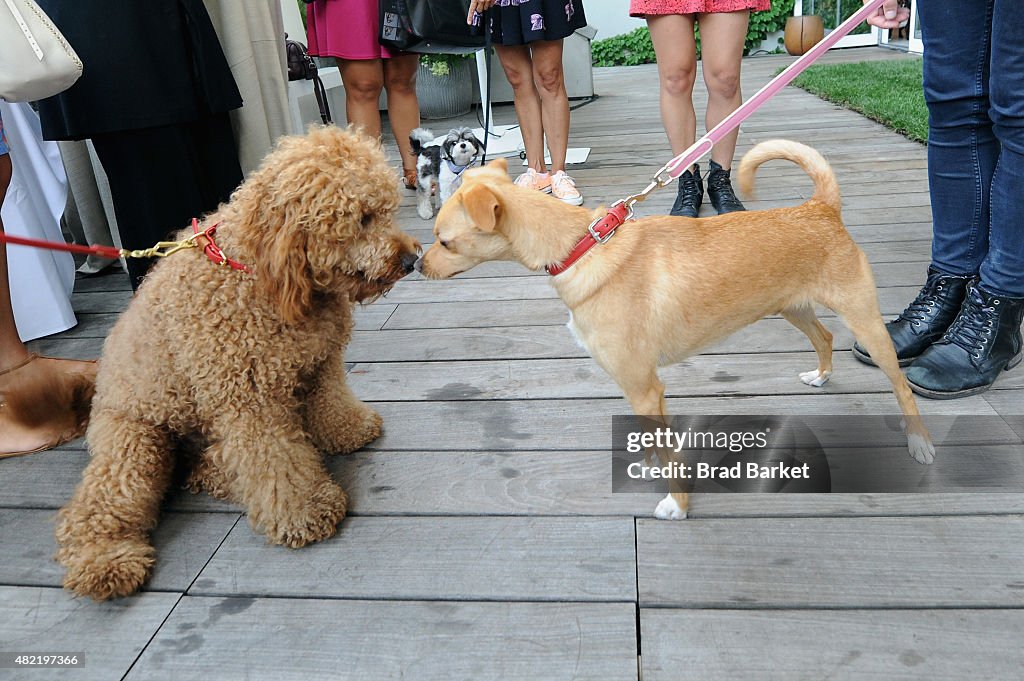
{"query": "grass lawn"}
pixel 885 91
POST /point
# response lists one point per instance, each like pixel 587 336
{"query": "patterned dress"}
pixel 642 8
pixel 520 22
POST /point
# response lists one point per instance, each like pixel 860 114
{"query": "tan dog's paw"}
pixel 815 378
pixel 668 509
pixel 107 571
pixel 921 448
pixel 315 520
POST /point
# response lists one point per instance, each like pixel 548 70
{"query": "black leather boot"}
pixel 926 319
pixel 720 190
pixel 982 341
pixel 690 194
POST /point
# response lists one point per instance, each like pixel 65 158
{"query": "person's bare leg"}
pixel 518 66
pixel 15 436
pixel 403 107
pixel 554 102
pixel 674 45
pixel 722 35
pixel 363 80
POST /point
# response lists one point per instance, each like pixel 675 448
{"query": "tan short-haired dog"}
pixel 663 287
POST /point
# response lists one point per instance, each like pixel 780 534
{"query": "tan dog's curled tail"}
pixel 826 189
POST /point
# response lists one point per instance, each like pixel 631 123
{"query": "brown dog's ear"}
pixel 285 273
pixel 482 206
pixel 499 164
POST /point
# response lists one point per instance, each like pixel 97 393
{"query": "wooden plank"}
pixel 511 483
pixel 1009 403
pixel 104 301
pixel 72 348
pixel 46 481
pixel 958 562
pixel 549 342
pixel 550 379
pixel 372 317
pixel 111 635
pixel 184 543
pixel 441 313
pixel 231 639
pixel 437 558
pixel 419 290
pixel 518 483
pixel 576 425
pixel 579 483
pixel 92 325
pixel 108 280
pixel 858 645
pixel 900 273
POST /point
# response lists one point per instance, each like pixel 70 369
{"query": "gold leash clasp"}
pixel 163 248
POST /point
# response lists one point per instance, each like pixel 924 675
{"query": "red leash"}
pixel 161 250
pixel 104 251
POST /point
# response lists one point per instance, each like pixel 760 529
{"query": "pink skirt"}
pixel 346 29
pixel 642 8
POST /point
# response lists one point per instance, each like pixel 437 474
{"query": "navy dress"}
pixel 154 99
pixel 520 22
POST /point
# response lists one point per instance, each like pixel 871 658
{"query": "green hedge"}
pixel 635 47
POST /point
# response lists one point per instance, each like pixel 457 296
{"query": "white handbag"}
pixel 35 61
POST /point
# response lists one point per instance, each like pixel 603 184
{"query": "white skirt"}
pixel 41 281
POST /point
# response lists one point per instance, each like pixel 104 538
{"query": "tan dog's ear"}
pixel 482 205
pixel 499 164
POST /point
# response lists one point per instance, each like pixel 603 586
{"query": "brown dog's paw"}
pixel 373 427
pixel 107 571
pixel 315 520
pixel 358 429
pixel 207 477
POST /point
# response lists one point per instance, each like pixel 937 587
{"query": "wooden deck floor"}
pixel 485 542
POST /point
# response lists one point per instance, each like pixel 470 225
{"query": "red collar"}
pixel 600 231
pixel 212 250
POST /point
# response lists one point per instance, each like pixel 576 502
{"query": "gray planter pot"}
pixel 446 96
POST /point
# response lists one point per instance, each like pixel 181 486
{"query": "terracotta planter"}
pixel 803 33
pixel 446 96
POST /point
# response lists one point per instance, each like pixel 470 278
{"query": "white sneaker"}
pixel 563 188
pixel 531 179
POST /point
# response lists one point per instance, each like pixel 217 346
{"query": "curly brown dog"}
pixel 248 364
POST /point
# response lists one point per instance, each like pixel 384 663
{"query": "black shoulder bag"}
pixel 302 67
pixel 426 25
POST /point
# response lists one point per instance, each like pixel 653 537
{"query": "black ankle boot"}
pixel 926 319
pixel 720 190
pixel 689 195
pixel 982 341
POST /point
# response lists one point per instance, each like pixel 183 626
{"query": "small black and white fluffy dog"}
pixel 441 165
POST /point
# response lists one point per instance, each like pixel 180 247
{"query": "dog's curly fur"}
pixel 248 365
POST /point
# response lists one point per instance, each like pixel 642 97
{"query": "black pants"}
pixel 162 177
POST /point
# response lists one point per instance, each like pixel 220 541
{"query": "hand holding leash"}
pixel 889 15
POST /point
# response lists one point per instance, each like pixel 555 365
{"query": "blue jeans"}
pixel 974 87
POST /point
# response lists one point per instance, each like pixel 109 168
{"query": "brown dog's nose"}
pixel 419 264
pixel 409 261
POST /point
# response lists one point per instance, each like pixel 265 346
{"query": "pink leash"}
pixel 702 147
pixel 603 228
